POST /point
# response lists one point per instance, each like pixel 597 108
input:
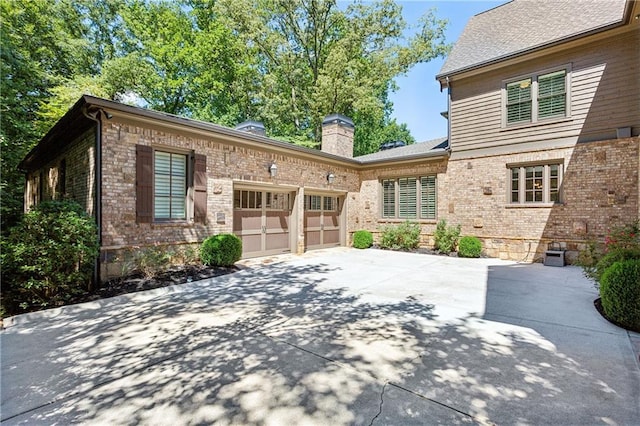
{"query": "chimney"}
pixel 337 135
pixel 254 127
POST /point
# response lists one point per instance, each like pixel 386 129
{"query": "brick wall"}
pixel 79 183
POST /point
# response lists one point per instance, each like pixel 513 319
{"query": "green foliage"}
pixel 48 257
pixel 148 261
pixel 611 257
pixel 405 236
pixel 446 238
pixel 620 292
pixel 221 250
pixel 362 239
pixel 625 236
pixel 469 247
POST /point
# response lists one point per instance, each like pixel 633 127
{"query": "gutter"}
pixel 95 116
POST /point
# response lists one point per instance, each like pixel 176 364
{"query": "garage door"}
pixel 262 220
pixel 321 221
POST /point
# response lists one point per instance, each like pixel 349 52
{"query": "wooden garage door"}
pixel 321 221
pixel 262 220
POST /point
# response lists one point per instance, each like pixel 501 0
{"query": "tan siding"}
pixel 605 95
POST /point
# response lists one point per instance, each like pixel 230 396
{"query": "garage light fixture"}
pixel 273 170
pixel 330 178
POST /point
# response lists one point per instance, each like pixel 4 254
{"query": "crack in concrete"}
pixel 384 387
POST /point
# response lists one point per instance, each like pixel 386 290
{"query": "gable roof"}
pixel 521 26
pixel 431 147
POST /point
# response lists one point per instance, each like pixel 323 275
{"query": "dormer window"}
pixel 535 98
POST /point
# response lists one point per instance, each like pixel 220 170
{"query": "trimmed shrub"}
pixel 446 238
pixel 620 292
pixel 362 239
pixel 221 250
pixel 405 236
pixel 48 258
pixel 469 247
pixel 613 256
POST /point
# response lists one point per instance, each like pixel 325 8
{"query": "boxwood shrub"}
pixel 469 247
pixel 221 250
pixel 362 239
pixel 620 293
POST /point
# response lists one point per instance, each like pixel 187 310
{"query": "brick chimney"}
pixel 337 135
pixel 254 127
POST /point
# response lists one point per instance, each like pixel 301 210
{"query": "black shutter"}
pixel 200 189
pixel 144 184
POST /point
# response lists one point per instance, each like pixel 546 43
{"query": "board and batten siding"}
pixel 604 90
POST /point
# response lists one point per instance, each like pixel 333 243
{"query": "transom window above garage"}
pixel 257 200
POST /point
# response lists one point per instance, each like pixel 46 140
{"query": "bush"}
pixel 469 247
pixel 362 239
pixel 221 250
pixel 148 261
pixel 613 256
pixel 446 238
pixel 620 292
pixel 405 236
pixel 48 258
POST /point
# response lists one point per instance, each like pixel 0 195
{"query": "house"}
pixel 544 121
pixel 543 146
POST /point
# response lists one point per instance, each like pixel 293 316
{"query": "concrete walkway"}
pixel 339 336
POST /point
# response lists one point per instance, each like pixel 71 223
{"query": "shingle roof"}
pixel 521 25
pixel 416 149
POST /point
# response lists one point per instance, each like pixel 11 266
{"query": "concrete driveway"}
pixel 339 336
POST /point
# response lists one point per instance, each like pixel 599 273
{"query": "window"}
pixel 537 97
pixel 170 186
pixel 409 198
pixel 530 184
pixel 313 202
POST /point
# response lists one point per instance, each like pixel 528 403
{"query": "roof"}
pixel 75 121
pixel 521 26
pixel 431 147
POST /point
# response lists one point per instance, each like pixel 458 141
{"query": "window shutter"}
pixel 200 189
pixel 552 94
pixel 144 184
pixel 428 197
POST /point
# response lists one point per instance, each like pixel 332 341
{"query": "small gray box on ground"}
pixel 554 258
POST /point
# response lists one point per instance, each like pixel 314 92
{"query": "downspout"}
pixel 98 186
pixel 448 115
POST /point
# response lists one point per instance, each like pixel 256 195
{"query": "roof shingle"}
pixel 521 25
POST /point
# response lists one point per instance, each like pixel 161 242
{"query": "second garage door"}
pixel 321 221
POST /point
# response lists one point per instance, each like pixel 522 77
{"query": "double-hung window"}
pixel 535 184
pixel 536 97
pixel 170 186
pixel 409 198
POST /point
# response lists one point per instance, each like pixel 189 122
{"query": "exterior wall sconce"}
pixel 330 178
pixel 273 170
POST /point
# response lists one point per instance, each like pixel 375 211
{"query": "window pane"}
pixel 428 197
pixel 388 198
pixel 554 183
pixel 407 198
pixel 162 208
pixel 170 185
pixel 534 184
pixel 330 203
pixel 519 101
pixel 515 185
pixel 552 94
pixel 236 199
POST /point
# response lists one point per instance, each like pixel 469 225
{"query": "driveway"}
pixel 338 336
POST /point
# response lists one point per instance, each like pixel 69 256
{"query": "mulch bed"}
pixel 138 282
pixel 598 304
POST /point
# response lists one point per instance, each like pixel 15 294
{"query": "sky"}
pixel 418 101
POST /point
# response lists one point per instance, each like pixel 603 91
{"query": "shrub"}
pixel 405 236
pixel 48 258
pixel 624 236
pixel 362 239
pixel 620 292
pixel 469 247
pixel 446 238
pixel 613 256
pixel 148 261
pixel 221 250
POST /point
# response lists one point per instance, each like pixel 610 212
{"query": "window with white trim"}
pixel 409 198
pixel 531 184
pixel 536 97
